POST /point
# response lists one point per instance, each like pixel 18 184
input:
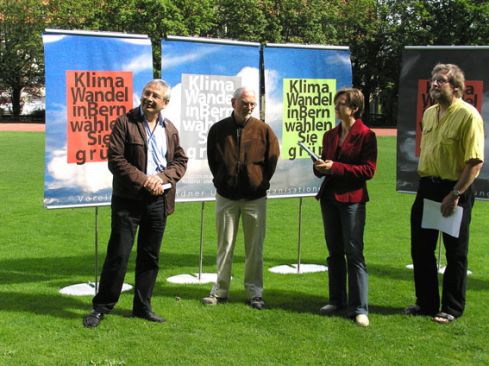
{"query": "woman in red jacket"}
pixel 348 160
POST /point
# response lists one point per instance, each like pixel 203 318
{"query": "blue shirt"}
pixel 156 139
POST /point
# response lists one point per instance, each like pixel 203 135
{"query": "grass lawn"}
pixel 43 250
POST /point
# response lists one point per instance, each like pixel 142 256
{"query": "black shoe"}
pixel 256 303
pixel 416 310
pixel 150 316
pixel 93 319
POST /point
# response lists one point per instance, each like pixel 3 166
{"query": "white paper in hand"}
pixel 433 219
pixel 166 186
pixel 313 156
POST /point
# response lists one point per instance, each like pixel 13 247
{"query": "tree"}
pixel 240 20
pixel 21 60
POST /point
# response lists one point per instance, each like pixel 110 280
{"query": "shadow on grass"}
pixel 404 274
pixel 292 301
pixel 42 304
pixel 66 268
pixel 62 271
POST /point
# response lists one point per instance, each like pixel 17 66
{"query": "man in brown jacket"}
pixel 242 152
pixel 146 160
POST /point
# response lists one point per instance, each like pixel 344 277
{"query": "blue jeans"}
pixel 343 229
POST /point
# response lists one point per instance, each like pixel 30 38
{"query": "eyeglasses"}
pixel 248 104
pixel 439 81
pixel 148 94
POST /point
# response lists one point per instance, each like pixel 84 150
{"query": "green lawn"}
pixel 43 250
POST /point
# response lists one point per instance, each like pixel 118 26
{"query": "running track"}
pixel 39 127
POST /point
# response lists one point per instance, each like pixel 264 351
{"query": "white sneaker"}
pixel 362 320
pixel 328 309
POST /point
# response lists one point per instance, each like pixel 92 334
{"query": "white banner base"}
pixel 86 289
pixel 441 270
pixel 293 268
pixel 193 278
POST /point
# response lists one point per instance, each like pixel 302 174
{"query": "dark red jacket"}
pixel 353 165
pixel 127 158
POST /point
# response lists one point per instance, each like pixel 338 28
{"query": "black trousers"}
pixel 423 246
pixel 149 214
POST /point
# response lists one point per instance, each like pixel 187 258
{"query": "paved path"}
pixel 39 127
pixel 29 127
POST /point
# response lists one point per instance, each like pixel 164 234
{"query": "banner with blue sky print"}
pixel 300 84
pixel 91 79
pixel 203 74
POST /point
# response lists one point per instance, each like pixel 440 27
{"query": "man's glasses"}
pixel 439 81
pixel 248 104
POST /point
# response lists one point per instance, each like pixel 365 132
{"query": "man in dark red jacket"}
pixel 242 152
pixel 146 160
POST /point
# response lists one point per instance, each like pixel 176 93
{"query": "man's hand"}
pixel 153 184
pixel 448 204
pixel 323 167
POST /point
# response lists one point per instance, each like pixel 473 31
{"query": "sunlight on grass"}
pixel 43 250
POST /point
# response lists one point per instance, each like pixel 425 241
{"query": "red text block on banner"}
pixel 472 95
pixel 94 99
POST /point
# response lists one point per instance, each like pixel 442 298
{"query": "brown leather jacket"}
pixel 242 160
pixel 127 158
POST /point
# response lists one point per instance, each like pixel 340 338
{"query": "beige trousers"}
pixel 228 213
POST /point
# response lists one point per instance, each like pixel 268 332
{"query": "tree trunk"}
pixel 16 103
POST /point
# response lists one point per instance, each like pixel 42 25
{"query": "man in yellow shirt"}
pixel 452 154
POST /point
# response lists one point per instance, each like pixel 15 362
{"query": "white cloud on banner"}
pixel 138 64
pixel 250 77
pixel 173 111
pixel 89 177
pixel 50 38
pixel 338 59
pixel 175 61
pixel 273 101
pixel 138 41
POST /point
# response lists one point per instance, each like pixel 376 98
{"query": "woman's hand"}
pixel 323 166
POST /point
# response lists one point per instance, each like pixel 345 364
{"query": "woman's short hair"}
pixel 354 99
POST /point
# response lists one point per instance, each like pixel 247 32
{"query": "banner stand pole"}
pixel 196 278
pixel 440 270
pixel 90 288
pixel 299 237
pixel 439 251
pixel 298 268
pixel 96 249
pixel 201 249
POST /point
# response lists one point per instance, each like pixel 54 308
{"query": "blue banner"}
pixel 91 79
pixel 300 84
pixel 204 74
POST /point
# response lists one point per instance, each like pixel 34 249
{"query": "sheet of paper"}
pixel 166 186
pixel 308 151
pixel 433 219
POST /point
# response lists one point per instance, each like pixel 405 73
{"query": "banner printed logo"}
pixel 308 112
pixel 472 95
pixel 206 99
pixel 94 99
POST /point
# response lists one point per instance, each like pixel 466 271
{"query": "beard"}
pixel 441 95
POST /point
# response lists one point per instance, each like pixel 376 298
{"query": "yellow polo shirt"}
pixel 447 144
